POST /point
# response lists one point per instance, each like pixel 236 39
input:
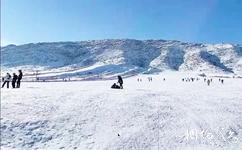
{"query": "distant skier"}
pixel 150 79
pixel 7 79
pixel 208 82
pixel 120 81
pixel 222 81
pixel 19 78
pixel 15 77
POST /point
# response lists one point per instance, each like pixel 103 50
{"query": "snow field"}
pixel 144 115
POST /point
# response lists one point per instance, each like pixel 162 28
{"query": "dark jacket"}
pixel 15 77
pixel 120 80
pixel 115 86
pixel 20 76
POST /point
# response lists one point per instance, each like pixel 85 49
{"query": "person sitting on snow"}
pixel 115 86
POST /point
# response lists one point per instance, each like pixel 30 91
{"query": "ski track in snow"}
pixel 143 116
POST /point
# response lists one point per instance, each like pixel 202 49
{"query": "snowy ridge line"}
pixel 126 56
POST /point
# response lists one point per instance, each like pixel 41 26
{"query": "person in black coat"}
pixel 19 78
pixel 120 81
pixel 115 86
pixel 15 77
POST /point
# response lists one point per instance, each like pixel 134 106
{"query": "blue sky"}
pixel 210 21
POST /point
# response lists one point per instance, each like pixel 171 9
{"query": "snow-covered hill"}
pixel 105 58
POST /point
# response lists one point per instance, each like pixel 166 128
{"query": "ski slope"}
pixel 89 115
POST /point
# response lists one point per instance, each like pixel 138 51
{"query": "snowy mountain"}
pixel 165 113
pixel 127 57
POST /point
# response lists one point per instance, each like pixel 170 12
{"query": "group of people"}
pixel 206 80
pixel 150 79
pixel 119 85
pixel 190 79
pixel 14 79
pixel 139 80
pixel 17 79
pixel 221 80
pixel 209 81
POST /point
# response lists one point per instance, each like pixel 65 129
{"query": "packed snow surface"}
pixel 89 115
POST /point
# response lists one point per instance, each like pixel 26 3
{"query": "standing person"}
pixel 19 78
pixel 15 77
pixel 222 81
pixel 120 81
pixel 7 79
pixel 208 81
